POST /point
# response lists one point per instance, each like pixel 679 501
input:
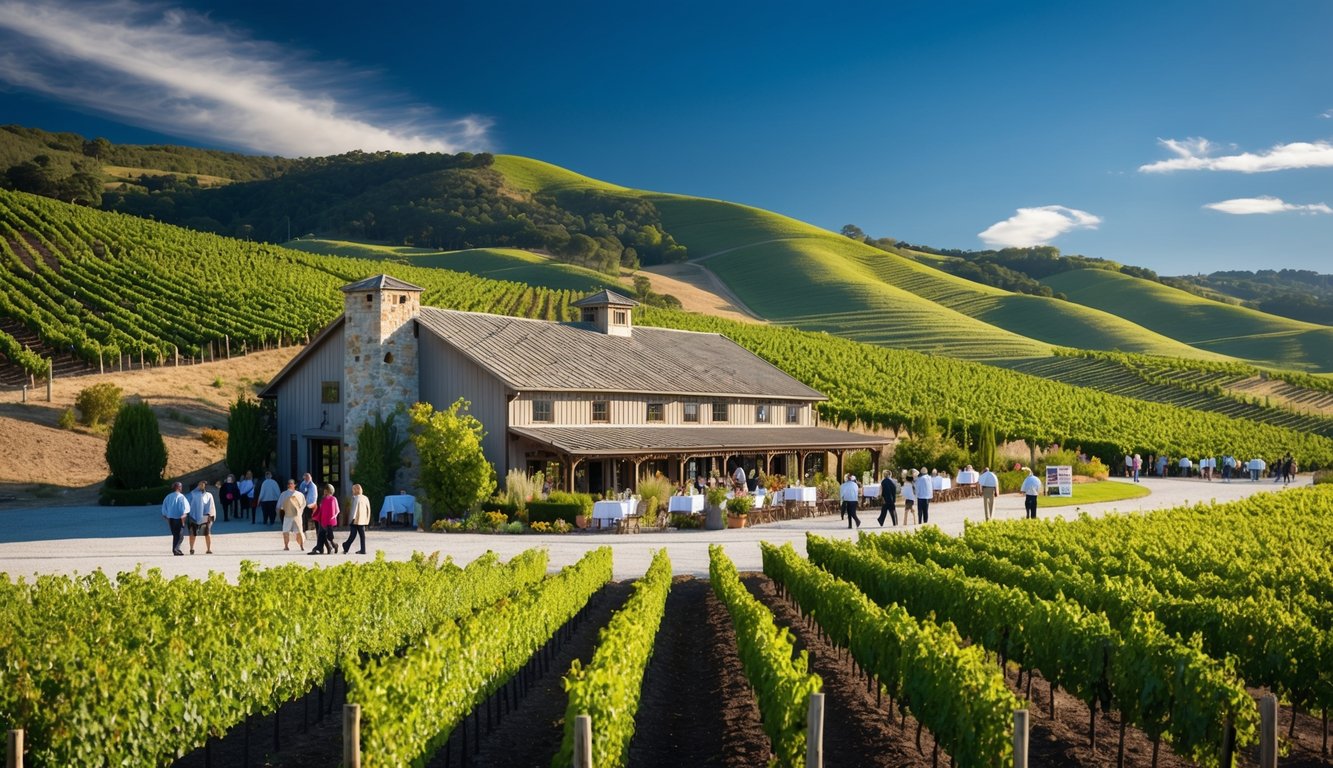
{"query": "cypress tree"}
pixel 379 454
pixel 135 451
pixel 250 441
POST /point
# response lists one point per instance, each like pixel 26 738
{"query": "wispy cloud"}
pixel 1242 206
pixel 1037 226
pixel 181 73
pixel 1201 155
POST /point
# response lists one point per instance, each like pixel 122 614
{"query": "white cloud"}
pixel 180 73
pixel 1037 226
pixel 1197 155
pixel 1266 204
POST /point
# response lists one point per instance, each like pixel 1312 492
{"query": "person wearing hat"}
pixel 990 485
pixel 1031 490
pixel 174 509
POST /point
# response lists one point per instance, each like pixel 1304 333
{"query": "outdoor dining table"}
pixel 870 491
pixel 692 504
pixel 802 494
pixel 612 510
pixel 398 508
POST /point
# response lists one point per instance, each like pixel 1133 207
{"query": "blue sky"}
pixel 1185 137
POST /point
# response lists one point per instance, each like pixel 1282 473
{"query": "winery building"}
pixel 595 403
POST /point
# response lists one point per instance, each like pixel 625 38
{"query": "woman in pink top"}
pixel 326 514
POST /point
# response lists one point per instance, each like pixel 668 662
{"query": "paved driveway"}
pixel 82 539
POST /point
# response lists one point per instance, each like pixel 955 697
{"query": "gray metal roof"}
pixel 612 441
pixel 541 356
pixel 605 296
pixel 381 283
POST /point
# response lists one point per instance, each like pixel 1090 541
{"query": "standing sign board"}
pixel 1060 481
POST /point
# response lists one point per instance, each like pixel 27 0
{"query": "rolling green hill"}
pixel 496 263
pixel 1222 328
pixel 102 287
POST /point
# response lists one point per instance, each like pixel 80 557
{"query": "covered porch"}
pixel 598 459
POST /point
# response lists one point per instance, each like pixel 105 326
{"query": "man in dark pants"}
pixel 1031 490
pixel 850 493
pixel 888 500
pixel 925 491
pixel 174 509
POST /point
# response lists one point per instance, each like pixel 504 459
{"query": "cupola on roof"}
pixel 605 297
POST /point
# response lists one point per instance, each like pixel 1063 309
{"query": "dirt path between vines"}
pixel 697 708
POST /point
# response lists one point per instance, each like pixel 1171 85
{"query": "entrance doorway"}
pixel 328 461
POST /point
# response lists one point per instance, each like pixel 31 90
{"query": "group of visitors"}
pixel 299 505
pixel 1207 468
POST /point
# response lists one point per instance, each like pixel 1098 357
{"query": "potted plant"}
pixel 738 508
pixel 714 497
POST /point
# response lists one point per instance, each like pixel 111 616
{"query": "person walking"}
pixel 230 493
pixel 850 493
pixel 326 520
pixel 1031 490
pixel 246 488
pixel 175 507
pixel 358 517
pixel 310 491
pixel 203 513
pixel 909 497
pixel 1137 466
pixel 268 498
pixel 990 485
pixel 925 491
pixel 291 504
pixel 888 499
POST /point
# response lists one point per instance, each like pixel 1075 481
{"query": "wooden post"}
pixel 1268 731
pixel 814 732
pixel 583 741
pixel 351 736
pixel 50 374
pixel 226 338
pixel 1020 738
pixel 101 362
pixel 15 759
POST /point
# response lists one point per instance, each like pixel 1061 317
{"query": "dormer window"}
pixel 621 317
pixel 589 315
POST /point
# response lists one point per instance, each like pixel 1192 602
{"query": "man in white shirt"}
pixel 990 485
pixel 1186 466
pixel 292 505
pixel 1031 490
pixel 203 511
pixel 851 496
pixel 925 491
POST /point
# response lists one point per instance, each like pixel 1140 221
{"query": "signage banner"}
pixel 1060 481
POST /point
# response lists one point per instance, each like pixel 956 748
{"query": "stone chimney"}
pixel 379 331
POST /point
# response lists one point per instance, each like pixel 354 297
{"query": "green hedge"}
pixel 550 511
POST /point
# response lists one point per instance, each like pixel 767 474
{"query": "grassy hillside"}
pixel 102 285
pixel 495 263
pixel 1223 328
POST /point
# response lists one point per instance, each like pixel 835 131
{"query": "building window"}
pixel 720 411
pixel 329 392
pixel 601 410
pixel 793 414
pixel 762 415
pixel 542 410
pixel 370 298
pixel 621 317
pixel 692 412
pixel 402 298
pixel 589 316
pixel 656 412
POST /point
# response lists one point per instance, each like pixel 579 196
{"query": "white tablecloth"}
pixel 870 491
pixel 400 507
pixel 691 504
pixel 968 478
pixel 803 494
pixel 613 510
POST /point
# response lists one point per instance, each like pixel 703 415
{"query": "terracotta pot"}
pixel 736 521
pixel 580 521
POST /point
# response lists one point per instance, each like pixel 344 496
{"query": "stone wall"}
pixel 382 367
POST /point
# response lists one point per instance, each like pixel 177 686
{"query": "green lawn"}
pixel 1094 493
